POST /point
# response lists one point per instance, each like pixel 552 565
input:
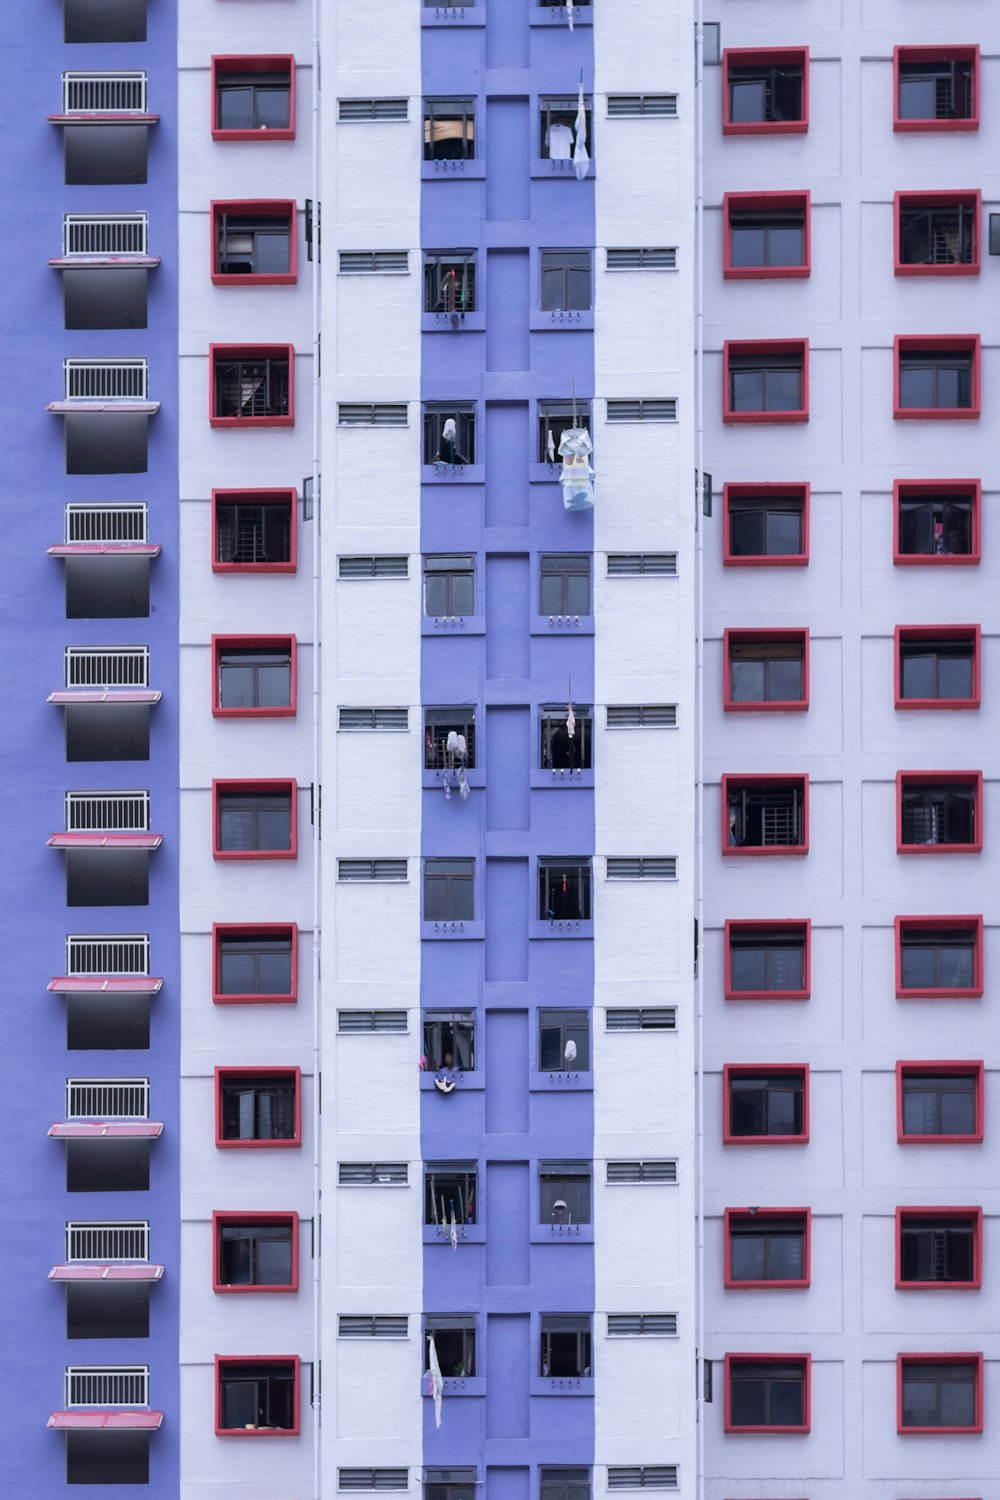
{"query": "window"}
pixel 939 812
pixel 449 129
pixel 563 1041
pixel 937 666
pixel 254 820
pixel 765 815
pixel 765 525
pixel 255 964
pixel 766 670
pixel 372 1174
pixel 450 432
pixel 111 21
pixel 938 1247
pixel 354 1022
pixel 361 871
pixel 939 1393
pixel 449 281
pixel 936 377
pixel 558 751
pixel 372 414
pixel 449 890
pixel 765 91
pixel 937 88
pixel 255 1252
pixel 564 1484
pixel 557 121
pixel 767 1248
pixel 373 262
pixel 566 281
pixel 450 1193
pixel 376 1326
pixel 254 98
pixel 641 716
pixel 255 1395
pixel 937 522
pixel 766 381
pixel 253 243
pixel 564 583
pixel 379 719
pixel 642 258
pixel 564 1192
pixel 642 1325
pixel 439 724
pixel 254 676
pixel 642 1477
pixel 449 1484
pixel 767 1105
pixel 642 409
pixel 555 418
pixel 937 234
pixel 939 1103
pixel 454 1336
pixel 564 890
pixel 768 960
pixel 767 1393
pixel 766 236
pixel 253 531
pixel 646 1018
pixel 939 957
pixel 450 1033
pixel 356 111
pixel 450 585
pixel 258 1108
pixel 373 567
pixel 565 1346
pixel 252 385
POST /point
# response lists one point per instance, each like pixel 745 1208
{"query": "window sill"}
pixel 766 273
pixel 975 992
pixel 457 1385
pixel 767 127
pixel 467 1082
pixel 254 999
pixel 252 1291
pixel 541 780
pixel 937 560
pixel 453 625
pixel 950 705
pixel 282 567
pixel 760 418
pixel 936 414
pixel 468 1234
pixel 562 625
pixel 433 780
pixel 792 560
pixel 564 1234
pixel 782 706
pixel 767 1286
pixel 738 995
pixel 452 931
pixel 938 1286
pixel 254 713
pixel 970 268
pixel 441 473
pixel 940 1140
pixel 561 929
pixel 561 1083
pixel 976 848
pixel 287 278
pixel 582 16
pixel 253 855
pixel 244 422
pixel 442 171
pixel 911 127
pixel 290 1145
pixel 561 1385
pixel 562 322
pixel 765 1140
pixel 766 851
pixel 441 322
pixel 257 1432
pixel 254 135
pixel 454 15
pixel 559 169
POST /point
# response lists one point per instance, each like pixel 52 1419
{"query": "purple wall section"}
pixel 34 917
pixel 504 1116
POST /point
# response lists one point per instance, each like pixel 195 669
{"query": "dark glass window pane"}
pixel 747 102
pixel 785 245
pixel 273 253
pixel 785 680
pixel 747 390
pixel 958 1112
pixel 784 533
pixel 748 968
pixel 916 99
pixel 746 246
pixel 784 390
pixel 272 108
pixel 955 676
pixel 916 387
pixel 746 680
pixel 235 108
pixel 749 1403
pixel 746 532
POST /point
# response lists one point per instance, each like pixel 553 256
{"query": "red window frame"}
pixel 760 203
pixel 969 343
pixel 226 1361
pixel 275 208
pixel 974 1359
pixel 268 784
pixel 251 351
pixel 251 929
pixel 938 1212
pixel 748 1216
pixel 937 53
pixel 942 778
pixel 730 638
pixel 741 347
pixel 257 63
pixel 219 1219
pixel 976 1069
pixel 770 1359
pixel 765 851
pixel 756 1070
pixel 957 924
pixel 741 57
pixel 225 1075
pixel 287 497
pixel 910 489
pixel 762 559
pixel 784 924
pixel 952 198
pixel 905 633
pixel 221 643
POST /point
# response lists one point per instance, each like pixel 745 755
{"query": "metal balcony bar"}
pixel 128 1240
pixel 107 1098
pixel 108 812
pixel 105 234
pixel 104 93
pixel 107 1385
pixel 113 954
pixel 106 379
pixel 107 666
pixel 106 523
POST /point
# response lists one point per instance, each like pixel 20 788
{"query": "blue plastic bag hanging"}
pixel 577 477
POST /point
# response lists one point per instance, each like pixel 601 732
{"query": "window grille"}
pixel 107 812
pixel 643 258
pixel 372 567
pixel 651 1018
pixel 438 723
pixel 643 410
pixel 356 1022
pixel 374 1327
pixel 642 564
pixel 372 1173
pixel 107 1098
pixel 106 523
pixel 127 1240
pixel 350 110
pixel 107 955
pixel 641 1171
pixel 104 93
pixel 629 106
pixel 374 262
pixel 373 718
pixel 641 716
pixel 359 870
pixel 105 379
pixel 247 386
pixel 107 666
pixel 372 414
pixel 107 1385
pixel 250 532
pixel 449 129
pixel 373 1479
pixel 554 418
pixel 642 869
pixel 449 281
pixel 642 1325
pixel 105 234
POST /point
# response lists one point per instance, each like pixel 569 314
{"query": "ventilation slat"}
pixel 374 263
pixel 642 1171
pixel 373 718
pixel 359 870
pixel 372 1173
pixel 642 1325
pixel 642 258
pixel 353 1480
pixel 662 1018
pixel 351 110
pixel 642 564
pixel 652 409
pixel 372 414
pixel 642 716
pixel 641 868
pixel 373 567
pixel 631 106
pixel 358 1022
pixel 642 1477
pixel 376 1326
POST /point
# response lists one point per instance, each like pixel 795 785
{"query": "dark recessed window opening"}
pixel 564 1192
pixel 254 821
pixel 449 585
pixel 450 1033
pixel 455 1342
pixel 767 959
pixel 557 119
pixel 439 724
pixel 766 671
pixel 564 1484
pixel 937 1249
pixel 258 1108
pixel 555 418
pixel 767 237
pixel 763 817
pixel 251 387
pixel 765 382
pixel 450 1192
pixel 935 525
pixel 255 1254
pixel 935 379
pixel 765 526
pixel 248 532
pixel 942 1104
pixel 255 964
pixel 254 245
pixel 448 1484
pixel 253 101
pixel 759 94
pixel 939 1394
pixel 565 1346
pixel 766 1104
pixel 252 1396
pixel 251 677
pixel 449 890
pixel 936 669
pixel 450 281
pixel 449 432
pixel 564 890
pixel 936 814
pixel 105 20
pixel 763 1248
pixel 560 751
pixel 449 129
pixel 937 958
pixel 935 90
pixel 563 1041
pixel 566 281
pixel 937 236
pixel 767 1393
pixel 564 583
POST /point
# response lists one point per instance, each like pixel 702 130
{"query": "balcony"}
pixel 107 556
pixel 107 1276
pixel 107 699
pixel 105 240
pixel 104 385
pixel 108 1133
pixel 105 401
pixel 107 843
pixel 107 1421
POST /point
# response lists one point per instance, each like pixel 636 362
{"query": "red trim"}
pixel 271 208
pixel 251 351
pixel 287 497
pixel 765 57
pixel 970 198
pixel 759 1070
pixel 777 492
pixel 973 924
pixel 230 1075
pixel 784 924
pixel 939 1359
pixel 935 54
pixel 269 784
pixel 904 634
pixel 975 1070
pixel 223 1362
pixel 938 1212
pixel 765 346
pixel 222 643
pixel 759 637
pixel 931 343
pixel 252 929
pixel 276 63
pixel 940 778
pixel 767 850
pixel 762 203
pixel 910 489
pixel 805 1360
pixel 251 1219
pixel 748 1216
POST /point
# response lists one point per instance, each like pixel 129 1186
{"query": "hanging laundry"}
pixel 436 1380
pixel 577 477
pixel 570 722
pixel 569 1052
pixel 581 157
pixel 560 143
pixel 454 1229
pixel 569 13
pixel 463 785
pixel 550 447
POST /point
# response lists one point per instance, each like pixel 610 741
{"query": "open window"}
pixel 557 750
pixel 258 1107
pixel 766 1106
pixel 253 676
pixel 566 281
pixel 939 812
pixel 454 1336
pixel 564 890
pixel 257 1397
pixel 937 377
pixel 557 127
pixel 565 1346
pixel 255 964
pixel 939 1393
pixel 253 98
pixel 563 1041
pixel 449 129
pixel 936 88
pixel 449 890
pixel 765 91
pixel 252 385
pixel 765 380
pixel 768 960
pixel 450 1033
pixel 554 418
pixel 939 1247
pixel 254 243
pixel 765 815
pixel 450 433
pixel 439 724
pixel 254 819
pixel 766 236
pixel 255 1252
pixel 451 1192
pixel 937 522
pixel 938 234
pixel 450 282
pixel 940 1103
pixel 767 1392
pixel 937 666
pixel 253 531
pixel 765 671
pixel 765 525
pixel 767 1248
pixel 564 1192
pixel 939 958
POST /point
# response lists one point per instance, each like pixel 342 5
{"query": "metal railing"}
pixel 108 954
pixel 107 666
pixel 107 1098
pixel 107 1385
pixel 128 1240
pixel 104 234
pixel 107 812
pixel 106 379
pixel 106 523
pixel 106 93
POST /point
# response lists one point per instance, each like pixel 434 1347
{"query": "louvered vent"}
pixel 642 1171
pixel 630 106
pixel 373 1479
pixel 642 1477
pixel 650 410
pixel 349 110
pixel 359 870
pixel 642 564
pixel 372 1173
pixel 642 869
pixel 642 716
pixel 642 1325
pixel 643 258
pixel 372 567
pixel 374 262
pixel 373 718
pixel 661 1018
pixel 372 414
pixel 374 1327
pixel 358 1022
